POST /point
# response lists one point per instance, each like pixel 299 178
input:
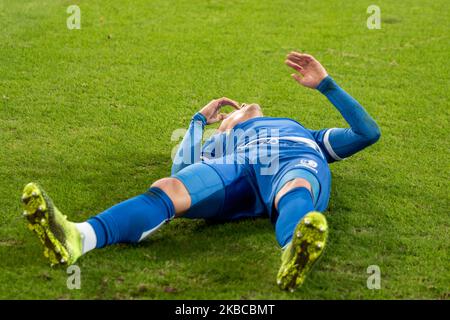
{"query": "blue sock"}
pixel 133 219
pixel 291 208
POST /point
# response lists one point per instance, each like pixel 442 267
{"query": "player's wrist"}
pixel 200 117
pixel 325 84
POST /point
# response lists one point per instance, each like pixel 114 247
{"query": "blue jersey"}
pixel 248 188
pixel 268 152
pixel 265 130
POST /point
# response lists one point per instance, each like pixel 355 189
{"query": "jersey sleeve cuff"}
pixel 200 117
pixel 326 84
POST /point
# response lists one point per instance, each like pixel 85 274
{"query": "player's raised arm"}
pixel 339 143
pixel 190 149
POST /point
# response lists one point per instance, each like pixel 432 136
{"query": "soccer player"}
pixel 253 166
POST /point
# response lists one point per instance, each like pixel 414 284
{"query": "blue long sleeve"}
pixel 364 131
pixel 189 151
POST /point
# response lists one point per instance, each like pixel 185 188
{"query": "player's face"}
pixel 247 111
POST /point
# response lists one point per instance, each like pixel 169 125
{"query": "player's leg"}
pixel 300 231
pixel 129 221
pixel 135 219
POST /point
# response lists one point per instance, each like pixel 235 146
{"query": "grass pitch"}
pixel 89 115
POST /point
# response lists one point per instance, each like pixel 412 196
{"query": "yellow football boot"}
pixel 61 239
pixel 299 256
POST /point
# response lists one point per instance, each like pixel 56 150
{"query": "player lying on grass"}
pixel 229 178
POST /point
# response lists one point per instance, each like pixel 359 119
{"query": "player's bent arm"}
pixel 189 151
pixel 364 131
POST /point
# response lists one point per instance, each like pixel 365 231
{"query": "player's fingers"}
pixel 228 102
pixel 222 116
pixel 299 55
pixel 218 117
pixel 214 103
pixel 301 63
pixel 307 57
pixel 297 78
pixel 298 59
pixel 296 54
pixel 294 66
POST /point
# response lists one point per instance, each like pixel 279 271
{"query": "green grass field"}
pixel 89 115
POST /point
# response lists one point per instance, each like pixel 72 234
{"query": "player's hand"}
pixel 310 71
pixel 211 110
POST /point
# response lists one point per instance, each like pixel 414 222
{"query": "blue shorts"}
pixel 230 190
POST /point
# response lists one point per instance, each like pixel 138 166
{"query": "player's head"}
pixel 245 112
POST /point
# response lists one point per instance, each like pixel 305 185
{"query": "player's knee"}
pixel 163 183
pixel 176 191
pixel 290 185
pixel 168 185
pixel 296 183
